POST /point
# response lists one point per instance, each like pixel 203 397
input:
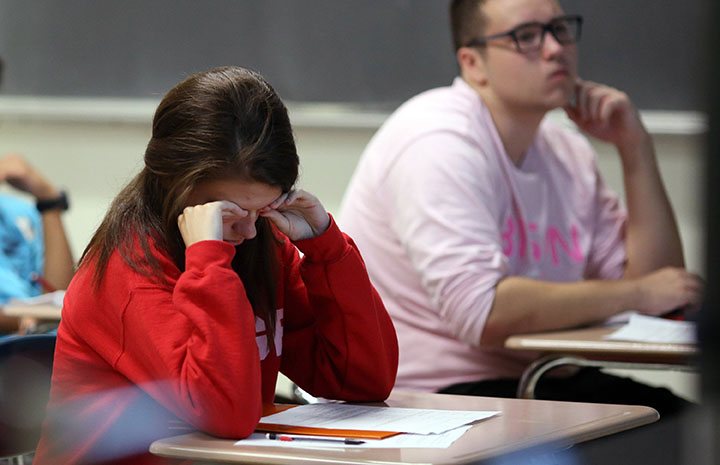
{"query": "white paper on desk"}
pixel 368 418
pixel 643 328
pixel 620 318
pixel 424 441
pixel 50 298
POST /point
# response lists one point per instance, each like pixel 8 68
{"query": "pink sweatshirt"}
pixel 441 215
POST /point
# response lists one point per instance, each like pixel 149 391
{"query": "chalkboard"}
pixel 366 52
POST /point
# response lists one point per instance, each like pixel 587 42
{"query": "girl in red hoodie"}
pixel 192 296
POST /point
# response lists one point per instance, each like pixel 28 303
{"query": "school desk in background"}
pixel 638 343
pixel 45 307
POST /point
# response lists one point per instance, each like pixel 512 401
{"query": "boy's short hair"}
pixel 467 21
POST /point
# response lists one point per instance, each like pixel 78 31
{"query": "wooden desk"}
pixel 43 312
pixel 586 347
pixel 523 424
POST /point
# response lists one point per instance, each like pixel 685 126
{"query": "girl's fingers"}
pixel 279 220
pixel 228 208
pixel 292 196
pixel 277 202
pixel 272 215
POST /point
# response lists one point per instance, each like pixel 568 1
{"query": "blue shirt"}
pixel 21 248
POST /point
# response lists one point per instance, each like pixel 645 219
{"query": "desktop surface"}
pixel 590 342
pixel 522 424
pixel 47 312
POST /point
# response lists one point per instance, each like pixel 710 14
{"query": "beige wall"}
pixel 94 156
pixel 93 160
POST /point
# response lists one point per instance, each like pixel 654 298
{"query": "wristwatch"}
pixel 58 203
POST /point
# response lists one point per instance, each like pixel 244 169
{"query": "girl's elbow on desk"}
pixel 225 414
pixel 232 424
pixel 375 387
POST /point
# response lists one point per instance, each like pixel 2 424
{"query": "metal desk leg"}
pixel 531 375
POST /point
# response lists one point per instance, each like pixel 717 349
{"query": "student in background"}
pixel 34 253
pixel 479 219
pixel 191 295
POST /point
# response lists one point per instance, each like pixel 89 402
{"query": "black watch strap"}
pixel 58 203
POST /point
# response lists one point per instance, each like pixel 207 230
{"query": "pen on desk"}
pixel 47 287
pixel 289 437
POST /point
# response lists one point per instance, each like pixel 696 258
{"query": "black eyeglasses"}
pixel 529 37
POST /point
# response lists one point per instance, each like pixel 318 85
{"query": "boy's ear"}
pixel 472 65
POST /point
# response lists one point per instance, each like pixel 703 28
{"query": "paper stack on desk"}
pixel 643 328
pixel 400 427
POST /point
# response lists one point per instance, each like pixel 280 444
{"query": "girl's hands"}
pixel 207 221
pixel 297 214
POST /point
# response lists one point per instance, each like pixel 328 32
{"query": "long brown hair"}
pixel 224 123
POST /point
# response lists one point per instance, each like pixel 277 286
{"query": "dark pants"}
pixel 658 443
pixel 587 385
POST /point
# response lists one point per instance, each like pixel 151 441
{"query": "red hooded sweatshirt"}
pixel 137 360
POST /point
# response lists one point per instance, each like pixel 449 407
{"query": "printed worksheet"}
pixel 368 418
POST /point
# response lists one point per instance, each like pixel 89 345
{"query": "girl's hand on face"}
pixel 297 214
pixel 204 222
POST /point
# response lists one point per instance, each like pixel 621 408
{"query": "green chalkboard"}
pixel 366 52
